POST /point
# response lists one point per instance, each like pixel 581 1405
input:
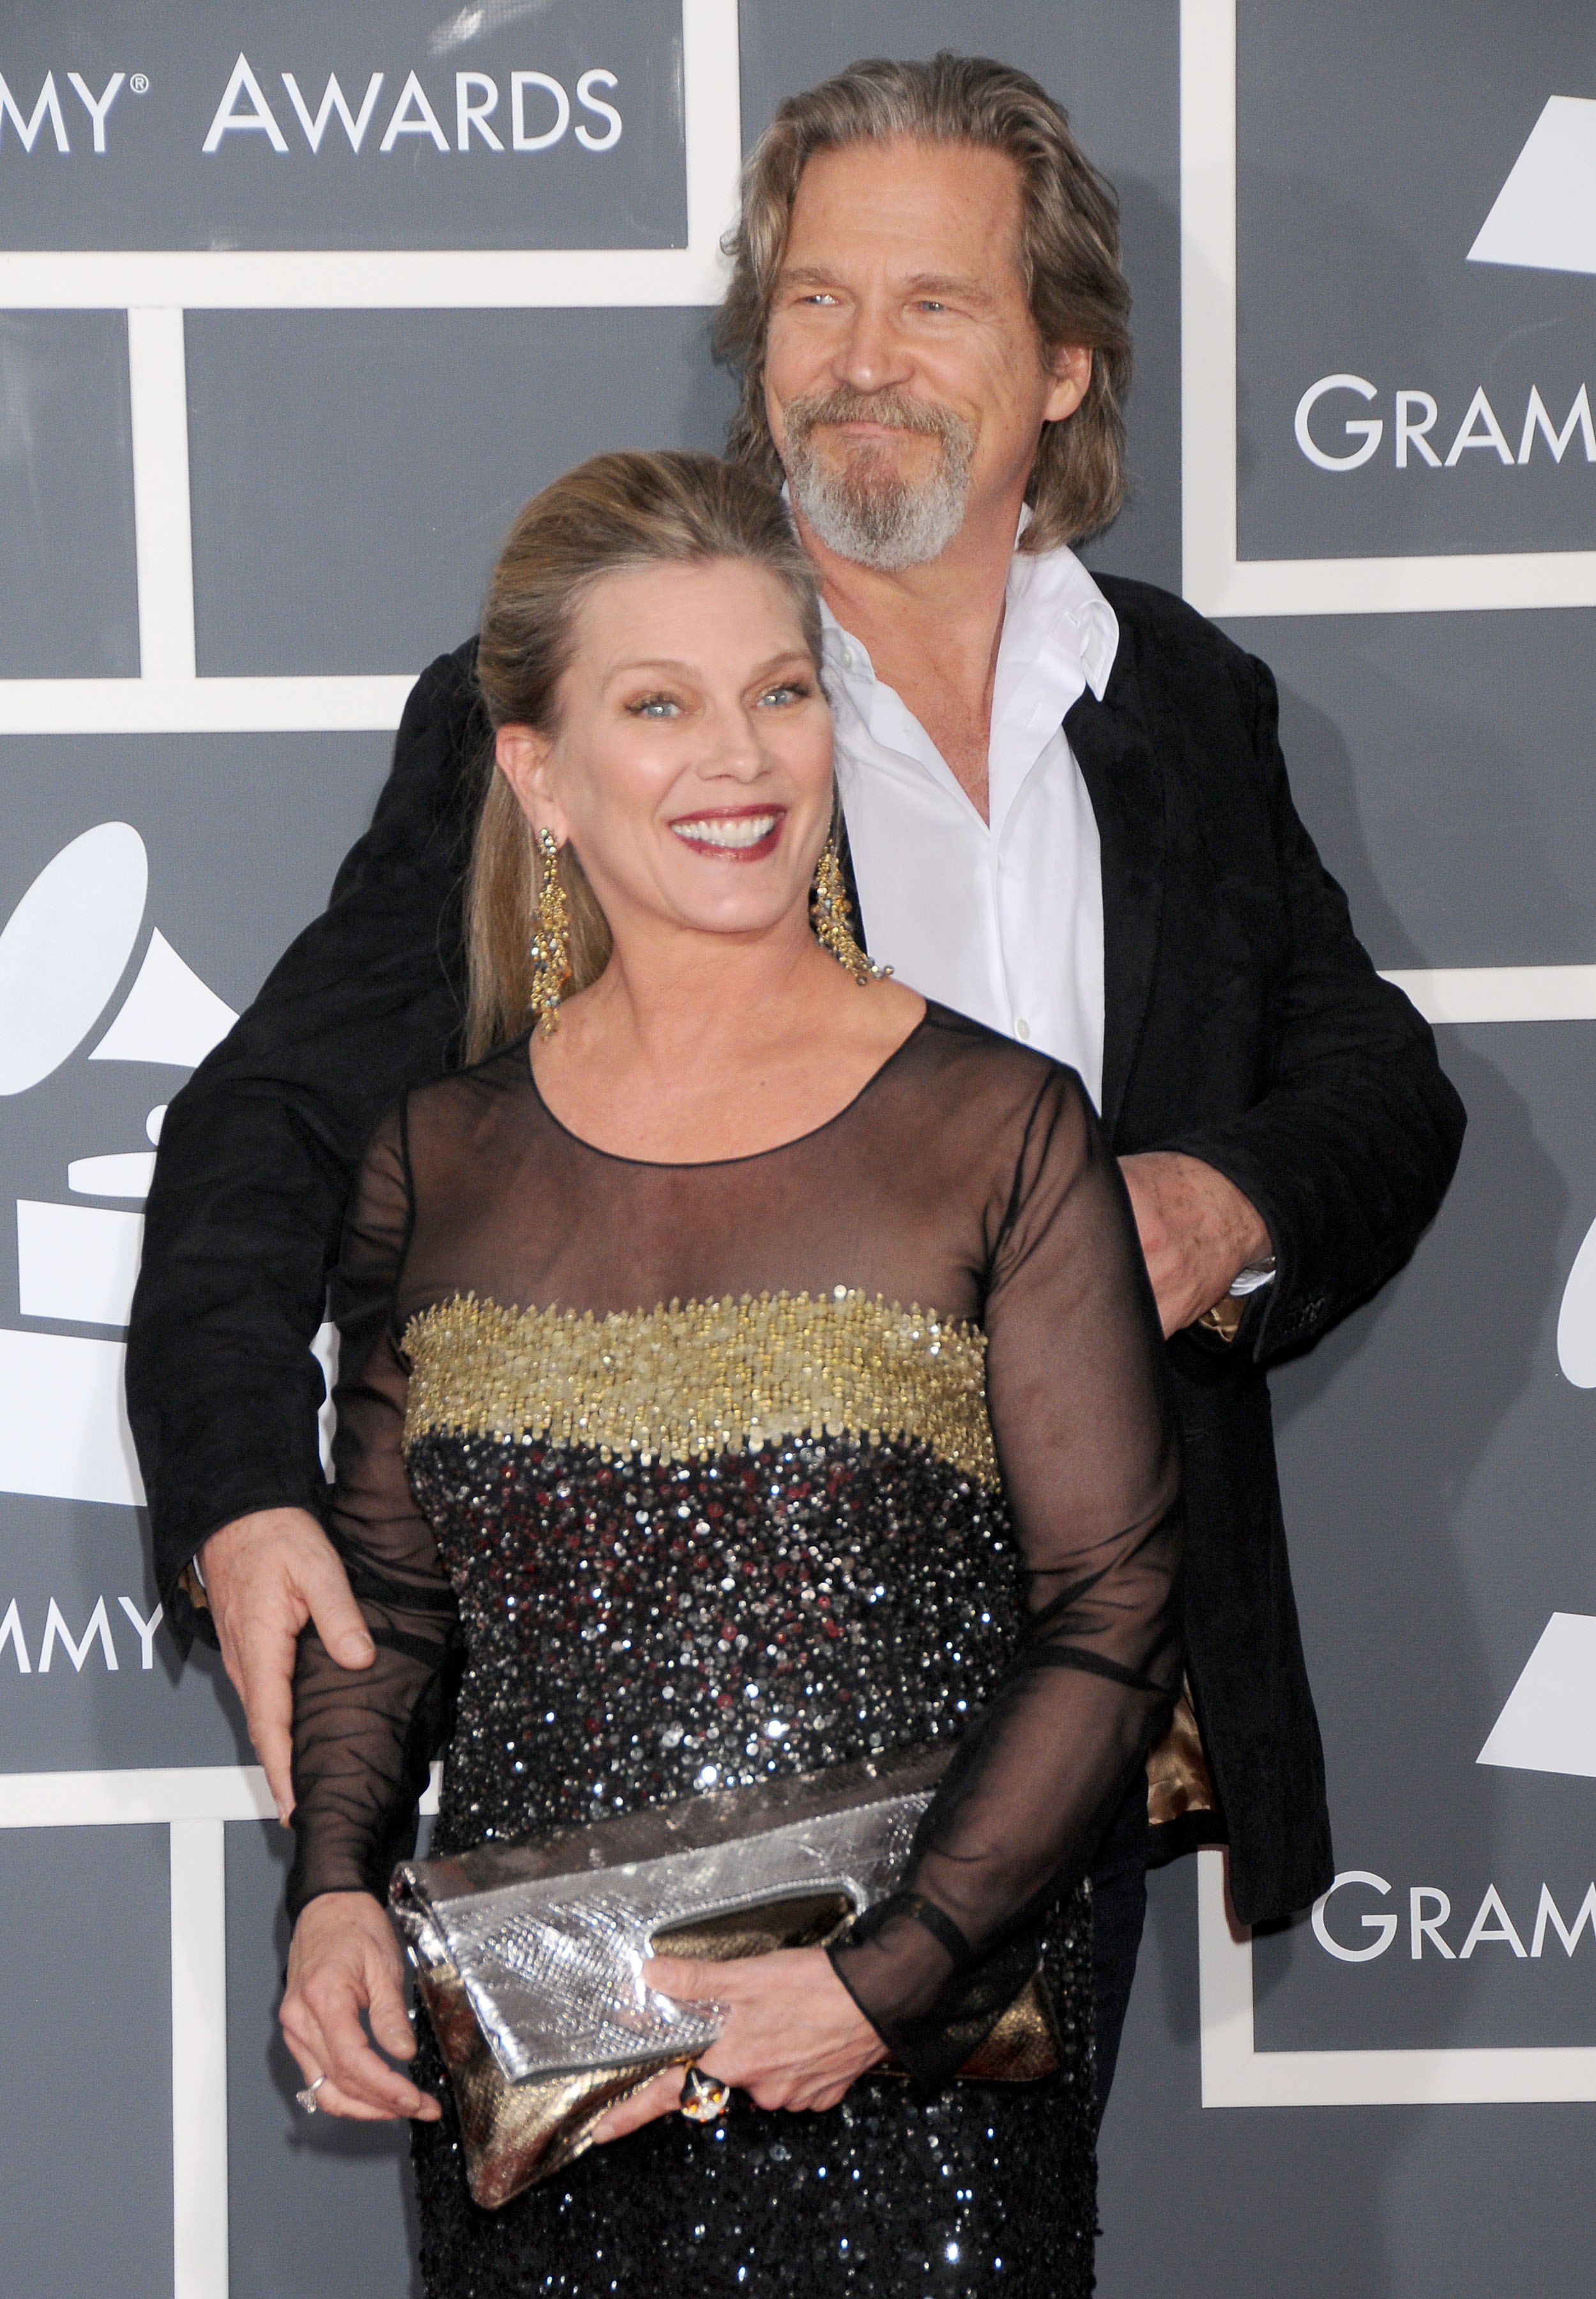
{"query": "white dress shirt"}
pixel 1000 919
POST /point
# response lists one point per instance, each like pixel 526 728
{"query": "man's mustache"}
pixel 891 409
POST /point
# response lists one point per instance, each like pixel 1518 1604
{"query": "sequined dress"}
pixel 655 1478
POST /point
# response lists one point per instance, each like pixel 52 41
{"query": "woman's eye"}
pixel 654 706
pixel 790 690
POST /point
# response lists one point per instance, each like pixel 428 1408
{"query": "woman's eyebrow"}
pixel 788 656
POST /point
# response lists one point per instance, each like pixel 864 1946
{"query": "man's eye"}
pixel 929 303
pixel 820 296
pixel 654 706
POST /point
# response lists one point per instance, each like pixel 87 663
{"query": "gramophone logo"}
pixel 1544 217
pixel 63 951
pixel 1549 1725
pixel 1542 220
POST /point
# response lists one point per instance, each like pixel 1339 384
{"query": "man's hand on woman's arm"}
pixel 265 1576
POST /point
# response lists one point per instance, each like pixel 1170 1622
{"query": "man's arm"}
pixel 1347 1157
pixel 1197 1232
pixel 258 1153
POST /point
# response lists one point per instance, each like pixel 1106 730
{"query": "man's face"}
pixel 904 380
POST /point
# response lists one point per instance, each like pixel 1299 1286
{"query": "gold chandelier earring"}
pixel 831 916
pixel 549 947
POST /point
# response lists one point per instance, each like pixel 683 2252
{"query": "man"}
pixel 1066 813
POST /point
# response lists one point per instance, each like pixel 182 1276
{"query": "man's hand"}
pixel 1198 1233
pixel 344 1960
pixel 265 1576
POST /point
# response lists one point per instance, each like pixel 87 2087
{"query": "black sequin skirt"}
pixel 979 2190
pixel 644 1630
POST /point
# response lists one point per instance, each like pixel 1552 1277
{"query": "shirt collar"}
pixel 1055 618
pixel 1053 591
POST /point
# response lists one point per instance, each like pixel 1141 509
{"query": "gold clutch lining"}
pixel 1178 1779
pixel 516 2134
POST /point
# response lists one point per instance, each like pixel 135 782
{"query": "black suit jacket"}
pixel 1243 1023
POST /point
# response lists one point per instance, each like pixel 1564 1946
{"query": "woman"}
pixel 753 1370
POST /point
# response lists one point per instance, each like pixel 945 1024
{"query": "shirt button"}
pixel 1022 1031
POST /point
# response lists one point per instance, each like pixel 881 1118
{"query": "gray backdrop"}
pixel 349 473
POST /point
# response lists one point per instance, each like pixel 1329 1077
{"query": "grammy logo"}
pixel 65 953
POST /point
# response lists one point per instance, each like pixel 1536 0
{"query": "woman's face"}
pixel 691 767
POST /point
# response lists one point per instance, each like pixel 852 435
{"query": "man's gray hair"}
pixel 1068 252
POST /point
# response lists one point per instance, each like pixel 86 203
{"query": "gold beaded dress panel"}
pixel 658 1478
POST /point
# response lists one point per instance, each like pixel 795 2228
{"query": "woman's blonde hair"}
pixel 1068 252
pixel 672 508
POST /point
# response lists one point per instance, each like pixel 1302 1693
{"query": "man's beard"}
pixel 860 507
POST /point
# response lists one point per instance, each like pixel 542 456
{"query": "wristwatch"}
pixel 1224 1317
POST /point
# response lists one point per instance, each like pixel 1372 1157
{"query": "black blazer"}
pixel 1244 1024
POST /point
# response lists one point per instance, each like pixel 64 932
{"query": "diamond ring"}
pixel 704 2099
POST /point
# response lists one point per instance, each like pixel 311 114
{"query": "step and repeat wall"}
pixel 298 305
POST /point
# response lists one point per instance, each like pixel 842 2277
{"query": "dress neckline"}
pixel 750 1157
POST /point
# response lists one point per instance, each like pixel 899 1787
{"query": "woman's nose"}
pixel 735 748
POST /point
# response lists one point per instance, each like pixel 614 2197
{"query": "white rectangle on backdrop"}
pixel 76 1263
pixel 64 1431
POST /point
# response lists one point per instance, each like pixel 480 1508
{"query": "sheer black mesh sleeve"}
pixel 1086 1444
pixel 363 1739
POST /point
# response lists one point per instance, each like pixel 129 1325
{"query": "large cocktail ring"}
pixel 704 2099
pixel 307 2097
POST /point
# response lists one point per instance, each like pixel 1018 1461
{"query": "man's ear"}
pixel 1070 369
pixel 525 758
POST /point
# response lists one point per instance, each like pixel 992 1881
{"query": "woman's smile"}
pixel 743 834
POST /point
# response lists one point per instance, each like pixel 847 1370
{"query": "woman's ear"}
pixel 525 758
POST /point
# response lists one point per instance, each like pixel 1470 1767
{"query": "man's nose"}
pixel 872 355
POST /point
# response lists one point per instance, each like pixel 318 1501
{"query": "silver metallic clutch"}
pixel 529 1957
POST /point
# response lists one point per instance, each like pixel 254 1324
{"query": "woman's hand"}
pixel 345 1960
pixel 794 2036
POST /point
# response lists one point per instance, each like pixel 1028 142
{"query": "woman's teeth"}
pixel 727 830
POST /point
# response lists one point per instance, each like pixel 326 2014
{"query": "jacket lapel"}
pixel 1119 763
pixel 844 855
